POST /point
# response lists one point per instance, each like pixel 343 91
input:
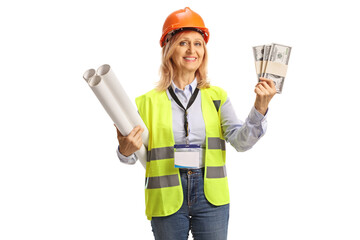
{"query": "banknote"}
pixel 258 55
pixel 273 61
pixel 279 59
pixel 267 49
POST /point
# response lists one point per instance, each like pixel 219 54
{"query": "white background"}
pixel 59 174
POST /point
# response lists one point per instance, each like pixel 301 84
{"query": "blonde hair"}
pixel 168 68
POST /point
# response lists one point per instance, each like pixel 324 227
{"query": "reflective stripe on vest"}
pixel 216 172
pixel 162 181
pixel 160 153
pixel 216 143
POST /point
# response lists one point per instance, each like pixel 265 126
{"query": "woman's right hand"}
pixel 130 143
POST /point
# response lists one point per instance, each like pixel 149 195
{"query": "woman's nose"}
pixel 190 48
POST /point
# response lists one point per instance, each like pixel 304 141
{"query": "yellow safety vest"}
pixel 163 190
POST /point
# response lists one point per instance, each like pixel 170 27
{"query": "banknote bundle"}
pixel 271 61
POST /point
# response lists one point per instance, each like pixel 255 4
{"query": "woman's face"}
pixel 189 51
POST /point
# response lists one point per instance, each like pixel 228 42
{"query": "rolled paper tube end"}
pixel 103 69
pixel 89 74
pixel 94 81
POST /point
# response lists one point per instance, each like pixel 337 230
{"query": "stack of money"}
pixel 271 61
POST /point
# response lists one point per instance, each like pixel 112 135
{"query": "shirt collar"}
pixel 191 86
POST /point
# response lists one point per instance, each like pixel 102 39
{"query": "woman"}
pixel 189 121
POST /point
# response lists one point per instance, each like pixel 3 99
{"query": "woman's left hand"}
pixel 264 90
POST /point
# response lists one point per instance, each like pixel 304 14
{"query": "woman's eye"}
pixel 182 43
pixel 198 44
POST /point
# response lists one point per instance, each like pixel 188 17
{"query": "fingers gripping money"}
pixel 265 90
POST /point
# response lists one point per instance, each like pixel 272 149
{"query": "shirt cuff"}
pixel 256 117
pixel 127 160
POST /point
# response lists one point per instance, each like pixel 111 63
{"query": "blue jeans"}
pixel 206 221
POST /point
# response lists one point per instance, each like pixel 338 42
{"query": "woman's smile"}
pixel 190 59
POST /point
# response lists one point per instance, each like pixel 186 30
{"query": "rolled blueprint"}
pixel 106 73
pixel 89 74
pixel 113 109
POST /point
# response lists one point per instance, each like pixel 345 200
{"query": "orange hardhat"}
pixel 180 20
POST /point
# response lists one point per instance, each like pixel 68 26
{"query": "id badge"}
pixel 187 156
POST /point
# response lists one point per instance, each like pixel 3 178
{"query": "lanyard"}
pixel 191 101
